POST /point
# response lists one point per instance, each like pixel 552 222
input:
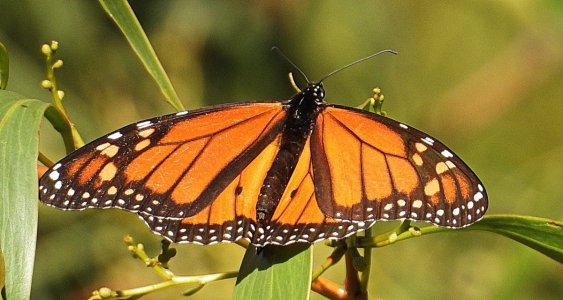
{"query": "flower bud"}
pixel 46 84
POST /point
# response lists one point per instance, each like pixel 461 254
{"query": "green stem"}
pixel 60 121
pixel 333 259
pixel 63 126
pixel 391 237
pixel 175 281
pixel 57 100
pixel 44 160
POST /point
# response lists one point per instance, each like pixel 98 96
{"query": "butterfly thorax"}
pixel 302 111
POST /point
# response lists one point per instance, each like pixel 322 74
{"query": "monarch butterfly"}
pixel 273 172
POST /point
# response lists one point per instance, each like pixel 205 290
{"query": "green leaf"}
pixel 124 17
pixel 277 272
pixel 4 67
pixel 19 124
pixel 2 276
pixel 543 235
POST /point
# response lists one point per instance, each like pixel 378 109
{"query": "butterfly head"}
pixel 315 92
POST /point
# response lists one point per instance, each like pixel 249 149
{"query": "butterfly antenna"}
pixel 357 62
pixel 280 53
pixel 292 82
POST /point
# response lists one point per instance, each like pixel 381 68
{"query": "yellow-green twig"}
pixel 72 138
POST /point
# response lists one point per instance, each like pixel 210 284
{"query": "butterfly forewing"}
pixel 172 166
pixel 369 167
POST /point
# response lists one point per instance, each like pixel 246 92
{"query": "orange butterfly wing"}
pixel 298 218
pixel 368 167
pixel 231 216
pixel 169 167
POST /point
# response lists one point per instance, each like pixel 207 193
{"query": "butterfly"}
pixel 273 172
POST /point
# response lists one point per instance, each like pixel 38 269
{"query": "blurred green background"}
pixel 485 77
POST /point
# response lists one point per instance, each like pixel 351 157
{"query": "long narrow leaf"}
pixel 123 16
pixel 19 124
pixel 275 273
pixel 2 276
pixel 4 67
pixel 543 235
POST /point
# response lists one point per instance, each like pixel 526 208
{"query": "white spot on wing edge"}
pixel 115 135
pixel 428 141
pixel 144 124
pixel 54 175
pixel 447 153
pixel 182 113
pixel 403 126
pixel 58 184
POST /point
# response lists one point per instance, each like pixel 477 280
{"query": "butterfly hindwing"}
pixel 298 218
pixel 368 167
pixel 231 216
